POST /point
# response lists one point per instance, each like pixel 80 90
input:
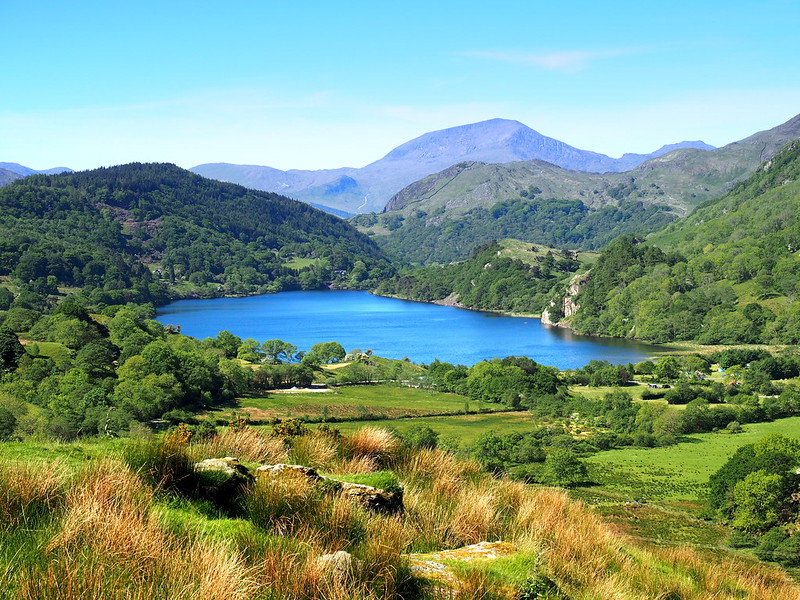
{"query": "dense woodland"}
pixel 727 274
pixel 134 232
pixel 488 280
pixel 560 223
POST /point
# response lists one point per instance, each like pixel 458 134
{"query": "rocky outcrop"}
pixel 338 567
pixel 222 479
pixel 228 466
pixel 369 497
pixel 373 498
pixel 437 568
pixel 568 305
pixel 284 470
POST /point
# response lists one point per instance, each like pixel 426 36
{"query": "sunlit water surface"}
pixel 394 328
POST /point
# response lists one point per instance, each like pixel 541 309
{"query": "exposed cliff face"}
pixel 568 305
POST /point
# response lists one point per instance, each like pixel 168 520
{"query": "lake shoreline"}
pixel 395 328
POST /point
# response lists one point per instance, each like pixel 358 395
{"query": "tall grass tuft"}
pixel 162 463
pixel 30 492
pixel 318 451
pixel 247 444
pixel 360 465
pixel 292 504
pixel 374 443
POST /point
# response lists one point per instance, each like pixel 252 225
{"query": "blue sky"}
pixel 328 84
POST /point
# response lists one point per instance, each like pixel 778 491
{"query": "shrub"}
pixel 788 552
pixel 739 539
pixel 421 436
pixel 564 468
pixel 769 542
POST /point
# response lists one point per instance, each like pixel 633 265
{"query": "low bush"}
pixel 788 552
pixel 769 542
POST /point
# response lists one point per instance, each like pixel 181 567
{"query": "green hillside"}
pixel 141 232
pixel 509 276
pixel 729 273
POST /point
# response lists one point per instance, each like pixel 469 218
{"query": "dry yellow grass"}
pixel 28 489
pixel 246 444
pixel 106 539
pixel 362 464
pixel 374 443
pixel 107 545
pixel 315 450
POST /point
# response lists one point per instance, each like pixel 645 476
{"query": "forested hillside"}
pixel 729 273
pixel 506 276
pixel 421 237
pixel 135 232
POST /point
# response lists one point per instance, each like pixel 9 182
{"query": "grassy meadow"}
pixel 463 428
pixel 356 402
pixel 657 494
pixel 676 473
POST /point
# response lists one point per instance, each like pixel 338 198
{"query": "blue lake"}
pixel 394 328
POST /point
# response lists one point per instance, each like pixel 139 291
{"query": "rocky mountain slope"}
pixel 429 212
pixel 367 189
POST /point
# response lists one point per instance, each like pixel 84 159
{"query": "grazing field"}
pixel 464 428
pixel 72 454
pixel 58 352
pixel 596 392
pixel 355 402
pixel 676 473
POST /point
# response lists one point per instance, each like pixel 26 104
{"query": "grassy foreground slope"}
pixel 137 525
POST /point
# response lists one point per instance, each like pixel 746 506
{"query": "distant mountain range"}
pixel 23 171
pixel 682 178
pixel 367 189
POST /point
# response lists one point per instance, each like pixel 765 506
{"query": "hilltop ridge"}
pixel 367 189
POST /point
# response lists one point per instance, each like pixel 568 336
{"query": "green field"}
pixel 597 392
pixel 297 264
pixel 58 352
pixel 72 454
pixel 464 428
pixel 355 402
pixel 656 494
pixel 676 473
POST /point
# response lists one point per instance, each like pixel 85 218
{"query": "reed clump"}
pixel 29 492
pixel 247 444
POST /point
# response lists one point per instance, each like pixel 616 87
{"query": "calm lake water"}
pixel 394 328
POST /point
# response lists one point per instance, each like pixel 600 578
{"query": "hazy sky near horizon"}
pixel 312 85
